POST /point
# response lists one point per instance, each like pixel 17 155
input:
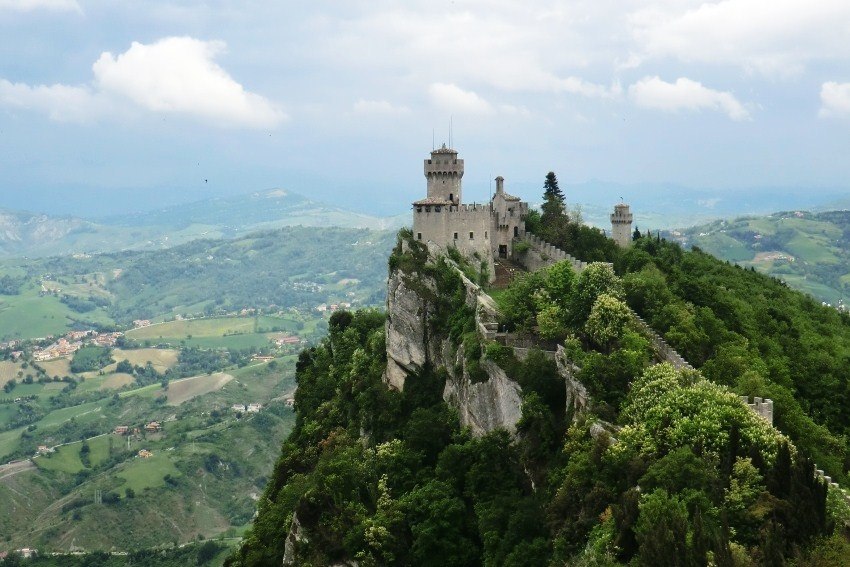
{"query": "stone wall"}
pixel 761 407
pixel 663 351
pixel 440 227
pixel 541 254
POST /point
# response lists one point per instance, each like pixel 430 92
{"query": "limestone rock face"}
pixel 577 398
pixel 407 317
pixel 295 535
pixel 485 406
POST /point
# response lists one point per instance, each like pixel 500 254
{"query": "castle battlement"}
pixel 761 406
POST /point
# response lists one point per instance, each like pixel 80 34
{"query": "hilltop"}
pixel 576 437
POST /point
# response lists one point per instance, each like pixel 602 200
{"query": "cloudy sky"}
pixel 153 102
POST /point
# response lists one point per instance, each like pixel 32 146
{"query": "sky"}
pixel 118 106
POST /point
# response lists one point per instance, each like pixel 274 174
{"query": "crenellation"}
pixel 761 407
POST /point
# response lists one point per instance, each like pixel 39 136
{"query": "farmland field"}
pixel 8 370
pixel 183 390
pixel 115 381
pixel 147 473
pixel 161 358
pixel 213 327
pixel 58 367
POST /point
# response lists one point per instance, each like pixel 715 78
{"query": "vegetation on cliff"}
pixel 686 475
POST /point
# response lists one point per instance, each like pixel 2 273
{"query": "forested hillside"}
pixel 662 467
pixel 809 251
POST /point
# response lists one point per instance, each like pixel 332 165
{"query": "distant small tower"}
pixel 621 225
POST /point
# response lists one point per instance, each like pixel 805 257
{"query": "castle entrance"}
pixel 503 250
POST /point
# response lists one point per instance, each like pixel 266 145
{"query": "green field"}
pixel 814 249
pixel 81 413
pixel 147 473
pixel 724 246
pixel 29 315
pixel 9 441
pixel 213 327
pixel 253 340
pixel 67 457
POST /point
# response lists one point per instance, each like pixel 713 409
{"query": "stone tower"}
pixel 444 173
pixel 621 225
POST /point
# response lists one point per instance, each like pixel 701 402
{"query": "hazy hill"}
pixel 809 251
pixel 33 234
pixel 44 296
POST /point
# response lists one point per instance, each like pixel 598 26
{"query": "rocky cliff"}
pixel 491 400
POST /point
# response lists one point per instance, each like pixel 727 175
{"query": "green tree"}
pixel 597 279
pixel 607 321
pixel 662 530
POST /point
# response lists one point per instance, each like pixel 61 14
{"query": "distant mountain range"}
pixel 34 234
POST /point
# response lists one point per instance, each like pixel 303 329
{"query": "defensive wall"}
pixel 467 227
pixel 540 254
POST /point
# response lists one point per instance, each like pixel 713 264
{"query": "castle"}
pixel 481 231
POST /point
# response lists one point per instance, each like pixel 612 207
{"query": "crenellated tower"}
pixel 621 225
pixel 444 173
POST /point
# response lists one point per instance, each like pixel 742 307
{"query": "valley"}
pixel 146 393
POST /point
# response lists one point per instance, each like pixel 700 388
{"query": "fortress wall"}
pixel 542 254
pixel 762 407
pixel 440 228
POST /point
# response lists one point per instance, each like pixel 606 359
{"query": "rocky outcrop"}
pixel 483 405
pixel 406 331
pixel 294 537
pixel 577 398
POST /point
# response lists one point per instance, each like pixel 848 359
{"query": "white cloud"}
pixel 62 103
pixel 769 36
pixel 379 107
pixel 179 74
pixel 452 97
pixel 174 75
pixel 543 47
pixel 30 5
pixel 835 99
pixel 685 94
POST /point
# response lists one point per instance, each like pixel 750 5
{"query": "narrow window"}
pixel 516 231
pixel 418 236
pixel 471 236
pixel 427 209
pixel 437 209
pixel 452 197
pixel 418 209
pixel 455 236
pixel 485 234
